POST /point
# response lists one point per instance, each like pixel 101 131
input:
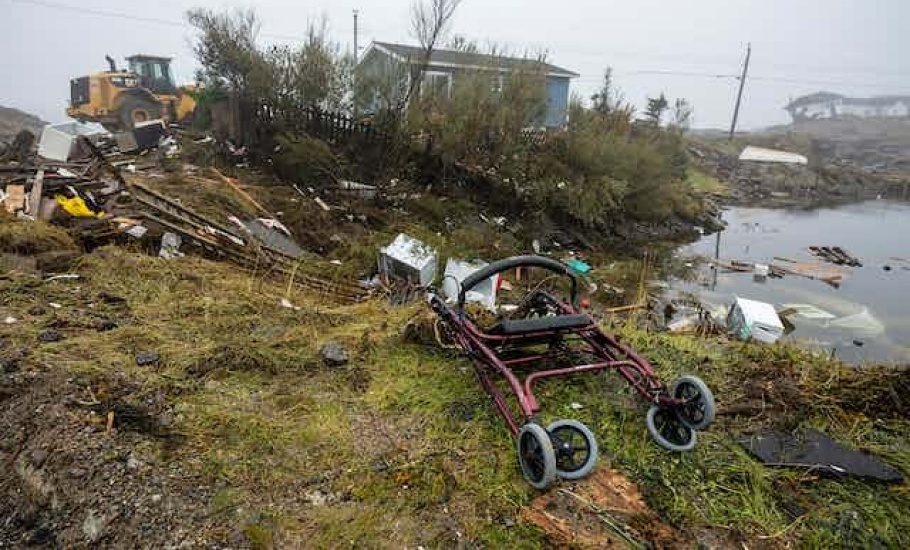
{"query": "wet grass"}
pixel 401 447
pixel 706 184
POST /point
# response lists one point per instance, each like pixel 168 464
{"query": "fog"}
pixel 692 51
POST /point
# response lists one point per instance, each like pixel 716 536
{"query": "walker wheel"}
pixel 575 447
pixel 536 456
pixel 668 430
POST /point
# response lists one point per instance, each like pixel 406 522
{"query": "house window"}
pixel 438 84
pixel 496 84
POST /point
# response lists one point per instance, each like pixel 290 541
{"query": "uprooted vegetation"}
pixel 398 448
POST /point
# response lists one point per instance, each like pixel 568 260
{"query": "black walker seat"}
pixel 515 327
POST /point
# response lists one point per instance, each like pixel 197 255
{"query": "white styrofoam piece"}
pixel 457 271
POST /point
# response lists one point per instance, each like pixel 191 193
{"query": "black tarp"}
pixel 813 449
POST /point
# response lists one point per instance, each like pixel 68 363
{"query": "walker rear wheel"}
pixel 536 456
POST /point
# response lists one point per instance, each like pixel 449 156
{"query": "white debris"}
pixel 409 258
pixel 750 319
pixel 457 271
pixel 760 154
pixel 807 311
pixel 170 246
pixel 287 304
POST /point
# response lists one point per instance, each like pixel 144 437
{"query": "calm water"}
pixel 867 318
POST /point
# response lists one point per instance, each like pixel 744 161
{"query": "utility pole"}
pixel 356 50
pixel 739 96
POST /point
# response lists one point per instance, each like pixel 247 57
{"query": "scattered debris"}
pixel 59 141
pixel 322 204
pixel 835 255
pixel 862 323
pixel 578 266
pixel 170 246
pixel 602 511
pixel 360 190
pixel 457 270
pixel 761 154
pixel 285 303
pixel 817 452
pixel 409 259
pixel 806 311
pixel 753 320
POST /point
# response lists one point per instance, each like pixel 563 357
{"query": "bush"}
pixel 604 168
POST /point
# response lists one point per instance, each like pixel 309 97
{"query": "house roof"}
pixel 876 101
pixel 818 97
pixel 823 97
pixel 453 58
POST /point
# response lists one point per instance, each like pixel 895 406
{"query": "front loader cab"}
pixel 154 73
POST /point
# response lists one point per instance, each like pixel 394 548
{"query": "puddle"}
pixel 865 318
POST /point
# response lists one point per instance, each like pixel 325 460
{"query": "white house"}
pixel 824 105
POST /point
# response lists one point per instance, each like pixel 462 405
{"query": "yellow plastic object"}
pixel 77 208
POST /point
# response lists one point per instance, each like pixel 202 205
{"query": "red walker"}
pixel 566 448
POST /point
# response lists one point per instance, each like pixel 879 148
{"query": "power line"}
pixel 767 79
pixel 139 18
pixel 770 79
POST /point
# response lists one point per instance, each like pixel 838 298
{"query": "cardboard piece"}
pixel 15 198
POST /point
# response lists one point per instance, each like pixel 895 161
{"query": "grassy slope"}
pixel 402 448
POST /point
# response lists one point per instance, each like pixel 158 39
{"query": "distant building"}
pixel 826 105
pixel 389 67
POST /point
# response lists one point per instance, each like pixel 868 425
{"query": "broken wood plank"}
pixel 242 193
pixel 34 197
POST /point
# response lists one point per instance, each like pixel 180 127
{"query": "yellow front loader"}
pixel 118 99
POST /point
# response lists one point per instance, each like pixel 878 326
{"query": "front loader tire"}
pixel 137 109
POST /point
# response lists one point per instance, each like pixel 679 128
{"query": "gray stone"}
pixel 144 359
pixel 38 456
pixel 334 355
pixel 93 526
pixel 50 335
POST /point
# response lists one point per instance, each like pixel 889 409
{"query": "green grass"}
pixel 402 448
pixel 704 183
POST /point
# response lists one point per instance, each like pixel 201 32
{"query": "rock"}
pixel 106 325
pixel 93 526
pixel 133 464
pixel 56 261
pixel 111 298
pixel 144 359
pixel 334 355
pixel 38 456
pixel 156 499
pixel 50 335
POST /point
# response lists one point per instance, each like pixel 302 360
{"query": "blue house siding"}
pixel 384 72
pixel 557 101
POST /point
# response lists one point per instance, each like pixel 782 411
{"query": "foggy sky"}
pixel 799 46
